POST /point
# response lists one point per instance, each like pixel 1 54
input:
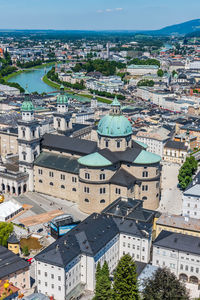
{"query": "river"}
pixel 33 80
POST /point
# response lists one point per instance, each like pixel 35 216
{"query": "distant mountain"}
pixel 182 28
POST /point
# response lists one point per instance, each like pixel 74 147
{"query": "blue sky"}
pixel 96 14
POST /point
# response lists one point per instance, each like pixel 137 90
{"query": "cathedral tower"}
pixel 28 139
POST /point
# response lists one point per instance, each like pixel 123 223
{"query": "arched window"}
pixel 102 190
pixel 102 201
pixel 87 176
pixel 106 144
pixel 23 133
pixel 51 183
pixel 194 279
pixel 118 144
pixel 183 277
pixel 62 186
pixel 87 200
pixel 144 198
pixel 74 189
pixel 145 174
pixel 102 176
pixel 40 181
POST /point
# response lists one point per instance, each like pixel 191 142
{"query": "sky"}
pixel 96 14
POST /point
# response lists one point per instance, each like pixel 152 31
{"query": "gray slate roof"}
pixel 89 237
pixel 13 239
pixel 178 241
pixel 57 162
pixel 131 209
pixel 176 145
pixel 123 178
pixel 68 144
pixel 10 262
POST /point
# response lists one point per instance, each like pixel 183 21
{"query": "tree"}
pixel 125 280
pixel 146 82
pixel 25 250
pixel 164 285
pixel 103 289
pixel 5 230
pixel 186 171
pixel 160 73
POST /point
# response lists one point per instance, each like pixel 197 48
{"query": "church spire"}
pixel 115 107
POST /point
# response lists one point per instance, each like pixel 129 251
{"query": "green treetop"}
pixel 186 171
pixel 5 230
pixel 103 289
pixel 164 285
pixel 125 280
pixel 160 73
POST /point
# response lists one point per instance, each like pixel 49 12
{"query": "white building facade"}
pixel 97 239
pixel 180 253
pixel 191 199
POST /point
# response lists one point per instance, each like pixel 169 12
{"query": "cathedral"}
pixel 91 173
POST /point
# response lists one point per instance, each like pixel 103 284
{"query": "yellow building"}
pixel 13 244
pixel 179 224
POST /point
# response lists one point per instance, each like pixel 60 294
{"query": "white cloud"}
pixel 108 10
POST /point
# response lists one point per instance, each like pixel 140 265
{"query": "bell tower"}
pixel 28 139
pixel 94 102
pixel 62 118
pixel 115 107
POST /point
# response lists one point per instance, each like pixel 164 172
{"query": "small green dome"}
pixel 27 104
pixel 114 126
pixel 62 98
pixel 146 157
pixel 94 160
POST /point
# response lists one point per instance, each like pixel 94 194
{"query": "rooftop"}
pixel 89 237
pixel 9 207
pixel 181 222
pixel 10 262
pixel 57 162
pixel 176 145
pixel 94 159
pixel 131 209
pixel 68 144
pixel 178 241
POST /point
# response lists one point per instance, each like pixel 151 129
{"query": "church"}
pixel 91 173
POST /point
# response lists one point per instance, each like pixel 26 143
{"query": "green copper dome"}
pixel 146 157
pixel 114 126
pixel 27 104
pixel 62 98
pixel 94 160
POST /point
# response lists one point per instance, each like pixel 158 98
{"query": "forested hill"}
pixel 182 28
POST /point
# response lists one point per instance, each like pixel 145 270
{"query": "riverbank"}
pixel 57 86
pixel 9 76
